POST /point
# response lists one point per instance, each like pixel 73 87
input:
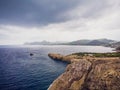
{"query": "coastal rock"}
pixel 84 74
pixel 55 56
pixel 31 54
pixel 73 78
pixel 68 58
pixel 118 49
pixel 104 75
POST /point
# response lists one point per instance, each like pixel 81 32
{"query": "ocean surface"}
pixel 20 71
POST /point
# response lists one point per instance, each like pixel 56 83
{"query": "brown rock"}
pixel 84 74
pixel 103 76
pixel 68 58
pixel 73 78
pixel 55 56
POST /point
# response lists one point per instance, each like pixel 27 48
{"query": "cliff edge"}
pixel 87 72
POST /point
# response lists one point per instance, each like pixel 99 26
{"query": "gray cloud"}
pixel 34 12
pixel 58 20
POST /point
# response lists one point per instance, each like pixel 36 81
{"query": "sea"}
pixel 20 71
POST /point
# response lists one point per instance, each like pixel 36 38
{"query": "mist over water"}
pixel 20 71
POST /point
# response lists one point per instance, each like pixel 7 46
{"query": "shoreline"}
pixel 81 68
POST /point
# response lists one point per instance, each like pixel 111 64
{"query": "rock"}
pixel 68 58
pixel 73 78
pixel 118 49
pixel 103 76
pixel 31 54
pixel 84 74
pixel 55 56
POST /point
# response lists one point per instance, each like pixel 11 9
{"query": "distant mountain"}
pixel 106 40
pixel 44 43
pixel 97 42
pixel 38 43
pixel 92 42
pixel 78 42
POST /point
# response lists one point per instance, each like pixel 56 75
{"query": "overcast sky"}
pixel 58 20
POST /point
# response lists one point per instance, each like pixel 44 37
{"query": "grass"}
pixel 114 54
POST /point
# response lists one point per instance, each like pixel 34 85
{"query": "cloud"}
pixel 34 12
pixel 59 20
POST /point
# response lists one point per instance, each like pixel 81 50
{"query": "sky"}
pixel 58 20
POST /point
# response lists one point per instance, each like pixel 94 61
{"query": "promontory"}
pixel 88 71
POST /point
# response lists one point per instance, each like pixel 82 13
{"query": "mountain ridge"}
pixel 77 42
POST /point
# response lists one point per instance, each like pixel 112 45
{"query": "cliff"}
pixel 87 72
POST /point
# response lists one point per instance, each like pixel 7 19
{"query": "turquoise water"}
pixel 20 71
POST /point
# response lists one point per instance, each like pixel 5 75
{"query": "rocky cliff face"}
pixel 83 74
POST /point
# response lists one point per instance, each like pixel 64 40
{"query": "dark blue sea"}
pixel 20 71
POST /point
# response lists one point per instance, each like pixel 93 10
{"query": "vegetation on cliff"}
pixel 114 54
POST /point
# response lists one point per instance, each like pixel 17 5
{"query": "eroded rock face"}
pixel 73 78
pixel 103 76
pixel 87 75
pixel 55 56
pixel 68 58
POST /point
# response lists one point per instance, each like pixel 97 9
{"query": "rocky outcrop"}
pixel 73 78
pixel 68 58
pixel 104 75
pixel 84 74
pixel 118 49
pixel 55 56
